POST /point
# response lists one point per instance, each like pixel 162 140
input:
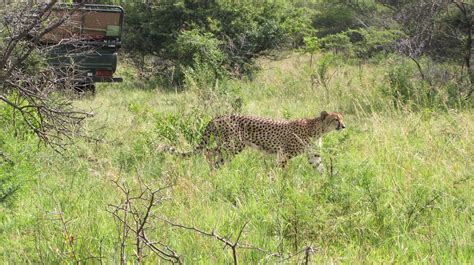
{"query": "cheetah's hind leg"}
pixel 219 155
pixel 215 158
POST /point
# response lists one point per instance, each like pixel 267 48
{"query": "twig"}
pixel 169 256
pixel 308 250
pixel 53 119
pixel 68 235
pixel 140 221
pixel 234 245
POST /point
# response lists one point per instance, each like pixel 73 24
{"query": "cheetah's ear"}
pixel 324 114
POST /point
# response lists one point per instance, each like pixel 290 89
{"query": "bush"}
pixel 225 36
pixel 334 18
pixel 8 183
pixel 213 96
pixel 337 43
pixel 175 127
pixel 196 50
pixel 401 86
pixel 367 42
pixel 441 86
pixel 362 43
pixel 297 26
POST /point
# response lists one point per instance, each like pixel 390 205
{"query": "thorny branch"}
pixel 137 220
pixel 308 251
pixel 233 245
pixel 135 213
pixel 26 84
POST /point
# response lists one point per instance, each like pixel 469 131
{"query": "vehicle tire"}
pixel 91 89
pixel 85 88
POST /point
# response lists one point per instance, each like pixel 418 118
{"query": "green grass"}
pixel 400 188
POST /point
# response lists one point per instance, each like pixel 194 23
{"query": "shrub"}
pixel 8 183
pixel 334 18
pixel 363 42
pixel 222 35
pixel 297 26
pixel 214 96
pixel 337 43
pixel 401 88
pixel 175 127
pixel 436 86
pixel 197 50
pixel 367 42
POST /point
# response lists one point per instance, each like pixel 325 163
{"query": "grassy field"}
pixel 398 185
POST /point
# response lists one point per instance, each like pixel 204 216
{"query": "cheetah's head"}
pixel 332 121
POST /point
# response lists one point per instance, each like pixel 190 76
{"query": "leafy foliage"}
pixel 220 34
pixel 362 42
pixel 333 18
pixel 189 127
pixel 196 51
pixel 367 42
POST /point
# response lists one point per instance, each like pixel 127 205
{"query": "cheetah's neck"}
pixel 316 127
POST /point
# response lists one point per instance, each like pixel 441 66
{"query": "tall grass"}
pixel 397 186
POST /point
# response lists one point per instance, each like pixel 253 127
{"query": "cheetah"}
pixel 286 139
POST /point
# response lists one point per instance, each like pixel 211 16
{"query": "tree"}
pixel 244 31
pixel 438 29
pixel 464 21
pixel 28 85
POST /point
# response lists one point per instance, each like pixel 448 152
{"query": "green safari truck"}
pixel 85 47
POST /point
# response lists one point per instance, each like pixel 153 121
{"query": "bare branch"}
pixel 27 85
pixel 136 220
pixel 234 245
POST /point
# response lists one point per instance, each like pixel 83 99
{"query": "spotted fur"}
pixel 287 139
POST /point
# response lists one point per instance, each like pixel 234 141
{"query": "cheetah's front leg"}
pixel 282 158
pixel 315 159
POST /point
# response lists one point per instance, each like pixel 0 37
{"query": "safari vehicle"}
pixel 86 44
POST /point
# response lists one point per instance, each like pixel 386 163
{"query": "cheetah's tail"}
pixel 196 150
pixel 171 150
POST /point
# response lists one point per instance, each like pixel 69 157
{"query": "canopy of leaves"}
pixel 234 34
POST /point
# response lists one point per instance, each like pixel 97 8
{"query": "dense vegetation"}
pixel 172 36
pixel 398 181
